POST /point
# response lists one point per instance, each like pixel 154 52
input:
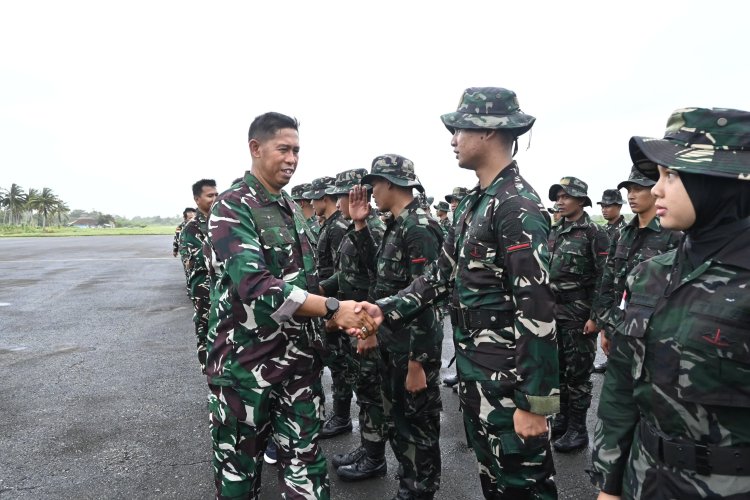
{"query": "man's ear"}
pixel 254 146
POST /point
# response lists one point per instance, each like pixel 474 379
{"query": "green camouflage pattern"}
pixel 329 238
pixel 628 247
pixel 262 265
pixel 495 259
pixel 314 226
pixel 611 197
pixel 346 180
pixel 442 206
pixel 445 225
pixel 176 247
pixel 701 141
pixel 192 237
pixel 572 186
pixel 680 362
pixel 578 253
pixel 611 229
pixel 488 108
pixel 394 168
pixel 299 190
pixel 318 188
pixel 458 193
pixel 637 178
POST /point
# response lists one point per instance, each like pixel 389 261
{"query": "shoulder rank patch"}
pixel 521 246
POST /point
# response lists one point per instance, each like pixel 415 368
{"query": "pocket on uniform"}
pixel 278 245
pixel 390 265
pixel 480 253
pixel 575 261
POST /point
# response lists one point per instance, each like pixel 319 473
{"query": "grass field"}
pixel 74 231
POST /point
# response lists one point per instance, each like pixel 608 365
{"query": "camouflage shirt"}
pixel 496 259
pixel 353 279
pixel 681 362
pixel 176 240
pixel 627 248
pixel 329 239
pixel 262 265
pixel 615 226
pixel 410 243
pixel 192 238
pixel 314 225
pixel 445 225
pixel 578 252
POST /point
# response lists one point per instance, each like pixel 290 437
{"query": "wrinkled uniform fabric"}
pixel 681 362
pixel 496 259
pixel 263 364
pixel 192 238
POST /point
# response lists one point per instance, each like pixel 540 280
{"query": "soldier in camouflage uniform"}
pixel 640 239
pixel 353 280
pixel 555 213
pixel 411 353
pixel 298 194
pixel 192 237
pixel 505 338
pixel 578 249
pixel 187 216
pixel 611 205
pixel 331 233
pixel 675 404
pixel 263 363
pixel 441 209
pixel 458 194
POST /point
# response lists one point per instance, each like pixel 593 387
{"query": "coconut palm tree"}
pixel 32 204
pixel 46 203
pixel 61 211
pixel 15 202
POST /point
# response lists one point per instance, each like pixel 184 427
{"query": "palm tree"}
pixel 32 203
pixel 46 203
pixel 15 201
pixel 61 210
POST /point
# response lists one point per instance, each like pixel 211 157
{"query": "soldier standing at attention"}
pixel 298 194
pixel 458 194
pixel 411 353
pixel 441 209
pixel 187 214
pixel 263 364
pixel 192 237
pixel 578 249
pixel 354 280
pixel 640 239
pixel 502 304
pixel 675 404
pixel 611 205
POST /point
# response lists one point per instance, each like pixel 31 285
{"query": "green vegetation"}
pixel 77 231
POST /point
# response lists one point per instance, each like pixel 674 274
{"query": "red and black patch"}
pixel 520 246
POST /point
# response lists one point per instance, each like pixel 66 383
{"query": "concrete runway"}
pixel 101 395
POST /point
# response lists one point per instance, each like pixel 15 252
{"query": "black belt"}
pixel 705 459
pixel 358 295
pixel 565 296
pixel 480 318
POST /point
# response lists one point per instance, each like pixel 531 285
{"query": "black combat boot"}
pixel 451 380
pixel 340 422
pixel 601 367
pixel 371 464
pixel 577 436
pixel 560 422
pixel 340 459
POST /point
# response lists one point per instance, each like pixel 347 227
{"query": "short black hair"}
pixel 188 209
pixel 268 124
pixel 198 186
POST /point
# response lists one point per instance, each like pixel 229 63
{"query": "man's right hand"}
pixel 373 312
pixel 359 209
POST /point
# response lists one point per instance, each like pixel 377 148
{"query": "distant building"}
pixel 84 222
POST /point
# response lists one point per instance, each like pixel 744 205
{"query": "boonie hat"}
pixel 299 190
pixel 394 168
pixel 346 180
pixel 489 108
pixel 611 197
pixel 636 177
pixel 459 193
pixel 442 205
pixel 318 188
pixel 573 186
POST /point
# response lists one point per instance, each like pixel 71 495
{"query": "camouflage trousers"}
pixel 339 360
pixel 576 353
pixel 372 424
pixel 200 318
pixel 242 420
pixel 508 467
pixel 413 423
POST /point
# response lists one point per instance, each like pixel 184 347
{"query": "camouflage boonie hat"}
pixel 318 188
pixel 442 205
pixel 611 197
pixel 346 180
pixel 636 177
pixel 394 168
pixel 573 186
pixel 554 209
pixel 459 193
pixel 700 141
pixel 299 190
pixel 489 108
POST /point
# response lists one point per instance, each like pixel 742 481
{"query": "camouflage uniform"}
pixel 263 364
pixel 353 280
pixel 177 249
pixel 192 238
pixel 578 252
pixel 613 197
pixel 445 224
pixel 411 242
pixel 298 194
pixel 505 338
pixel 675 404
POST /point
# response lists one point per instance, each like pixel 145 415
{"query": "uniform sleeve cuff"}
pixel 293 301
pixel 541 405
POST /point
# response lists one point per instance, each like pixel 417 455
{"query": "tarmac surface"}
pixel 101 394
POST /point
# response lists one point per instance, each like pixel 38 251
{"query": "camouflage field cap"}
pixel 299 190
pixel 611 197
pixel 459 193
pixel 346 180
pixel 636 177
pixel 489 108
pixel 701 141
pixel 573 186
pixel 442 205
pixel 318 188
pixel 394 168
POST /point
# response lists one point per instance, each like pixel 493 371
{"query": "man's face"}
pixel 206 198
pixel 454 203
pixel 190 215
pixel 468 147
pixel 319 206
pixel 275 159
pixel 342 204
pixel 381 194
pixel 640 198
pixel 569 206
pixel 442 214
pixel 611 212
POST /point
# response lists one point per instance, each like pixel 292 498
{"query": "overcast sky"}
pixel 121 106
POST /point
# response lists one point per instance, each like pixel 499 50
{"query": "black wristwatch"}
pixel 332 307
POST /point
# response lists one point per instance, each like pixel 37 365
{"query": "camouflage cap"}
pixel 611 197
pixel 299 190
pixel 318 188
pixel 573 186
pixel 489 108
pixel 442 205
pixel 394 168
pixel 459 193
pixel 346 180
pixel 554 209
pixel 701 141
pixel 636 177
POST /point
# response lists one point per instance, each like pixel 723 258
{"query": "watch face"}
pixel 332 305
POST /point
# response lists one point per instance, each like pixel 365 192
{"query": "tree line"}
pixel 21 207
